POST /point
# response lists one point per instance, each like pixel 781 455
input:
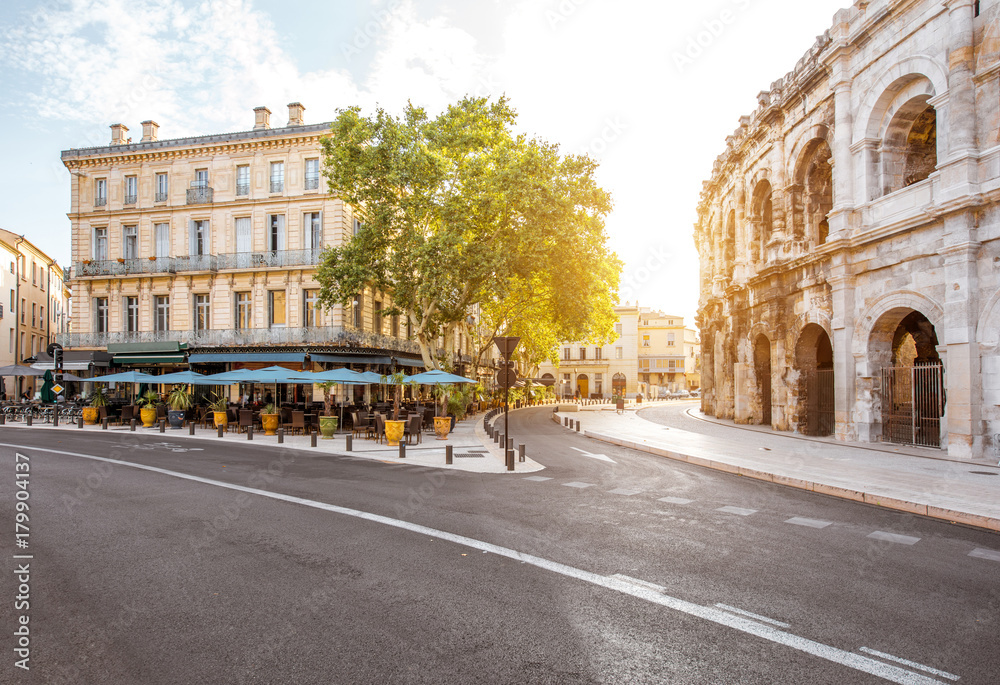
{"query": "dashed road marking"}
pixel 675 500
pixel 739 511
pixel 750 614
pixel 911 664
pixel 628 492
pixel 578 485
pixel 985 554
pixel 893 537
pixel 808 523
pixel 537 479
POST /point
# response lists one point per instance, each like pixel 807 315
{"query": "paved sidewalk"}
pixel 962 492
pixel 469 444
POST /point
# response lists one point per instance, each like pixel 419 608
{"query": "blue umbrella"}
pixel 438 377
pixel 125 377
pixel 184 377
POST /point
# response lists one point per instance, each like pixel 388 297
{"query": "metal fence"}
pixel 912 404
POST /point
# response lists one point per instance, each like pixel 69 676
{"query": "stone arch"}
pixel 761 219
pixel 988 328
pixel 762 368
pixel 909 144
pixel 812 403
pixel 812 191
pixel 988 50
pixel 898 301
pixel 729 236
pixel 883 90
pixel 799 149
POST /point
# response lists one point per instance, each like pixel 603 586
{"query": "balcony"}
pixel 277 186
pixel 270 259
pixel 242 189
pixel 168 265
pixel 312 183
pixel 334 336
pixel 200 195
pixel 100 201
pixel 160 197
pixel 131 199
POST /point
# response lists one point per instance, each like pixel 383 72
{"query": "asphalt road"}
pixel 332 569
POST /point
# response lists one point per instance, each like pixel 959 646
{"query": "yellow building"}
pixel 668 354
pixel 204 250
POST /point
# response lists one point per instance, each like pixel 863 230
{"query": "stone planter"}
pixel 176 418
pixel 327 426
pixel 148 416
pixel 394 432
pixel 270 423
pixel 442 426
pixel 221 418
pixel 91 415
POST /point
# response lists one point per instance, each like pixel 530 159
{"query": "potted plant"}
pixel 218 405
pixel 147 411
pixel 442 424
pixel 269 418
pixel 92 413
pixel 179 400
pixel 328 421
pixel 394 428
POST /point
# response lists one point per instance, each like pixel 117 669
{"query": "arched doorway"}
pixel 762 369
pixel 911 392
pixel 814 361
pixel 583 385
pixel 618 384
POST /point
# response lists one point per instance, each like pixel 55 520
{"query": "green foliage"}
pixel 461 210
pixel 269 409
pixel 179 399
pixel 218 403
pixel 328 397
pixel 150 398
pixel 99 398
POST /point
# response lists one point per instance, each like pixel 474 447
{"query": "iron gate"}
pixel 912 404
pixel 821 409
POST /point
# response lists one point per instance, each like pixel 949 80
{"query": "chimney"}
pixel 295 110
pixel 261 118
pixel 149 131
pixel 118 132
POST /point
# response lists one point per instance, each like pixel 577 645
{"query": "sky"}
pixel 649 89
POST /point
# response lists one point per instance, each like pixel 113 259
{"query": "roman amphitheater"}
pixel 848 236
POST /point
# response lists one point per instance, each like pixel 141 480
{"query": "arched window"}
pixel 909 148
pixel 763 222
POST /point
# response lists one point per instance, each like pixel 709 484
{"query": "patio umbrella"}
pixel 125 377
pixel 438 377
pixel 341 376
pixel 47 394
pixel 185 377
pixel 18 370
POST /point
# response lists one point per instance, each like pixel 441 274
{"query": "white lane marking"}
pixel 602 457
pixel 893 537
pixel 739 511
pixel 537 479
pixel 985 554
pixel 628 492
pixel 809 523
pixel 911 664
pixel 578 485
pixel 860 663
pixel 752 615
pixel 676 500
pixel 641 583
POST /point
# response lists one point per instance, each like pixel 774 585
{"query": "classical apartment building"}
pixel 34 304
pixel 204 250
pixel 669 354
pixel 850 235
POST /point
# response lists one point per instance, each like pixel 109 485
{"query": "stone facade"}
pixel 668 354
pixel 848 236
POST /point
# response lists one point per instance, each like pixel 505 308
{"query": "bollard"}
pixel 191 428
pixel 510 443
pixel 131 425
pixel 312 439
pixel 496 438
pixel 104 423
pixel 349 439
pixel 3 419
pixel 448 455
pixel 27 420
pixel 249 432
pixel 163 425
pixel 220 430
pixel 79 422
pixel 520 452
pixel 281 436
pixel 577 426
pixel 510 460
pixel 565 421
pixel 55 417
pixel 402 450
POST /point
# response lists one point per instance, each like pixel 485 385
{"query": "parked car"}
pixel 679 395
pixel 696 393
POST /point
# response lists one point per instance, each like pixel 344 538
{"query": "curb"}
pixel 950 515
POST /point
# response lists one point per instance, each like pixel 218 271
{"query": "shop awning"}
pixel 67 366
pixel 144 359
pixel 348 358
pixel 222 357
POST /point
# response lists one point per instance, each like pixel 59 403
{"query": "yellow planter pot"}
pixel 90 415
pixel 221 418
pixel 442 426
pixel 394 432
pixel 270 423
pixel 148 415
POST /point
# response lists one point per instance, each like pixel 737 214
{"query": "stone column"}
pixel 842 323
pixel 963 380
pixel 961 93
pixel 843 133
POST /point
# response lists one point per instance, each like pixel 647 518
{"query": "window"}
pixel 394 326
pixel 276 308
pixel 130 242
pixel 201 313
pixel 310 307
pixel 200 178
pixel 132 314
pixel 101 315
pixel 243 311
pixel 618 353
pixel 23 308
pixel 13 302
pixel 313 228
pixel 377 318
pixel 357 226
pixel 161 233
pixel 277 177
pixel 670 339
pixel 359 309
pixel 131 190
pixel 645 341
pixel 598 354
pixel 199 238
pixel 100 192
pixel 162 188
pixel 33 345
pixel 565 354
pixel 312 174
pixel 161 304
pixel 583 354
pixel 243 234
pixel 618 330
pixel 12 267
pixel 100 244
pixel 34 314
pixel 34 273
pixel 275 232
pixel 243 179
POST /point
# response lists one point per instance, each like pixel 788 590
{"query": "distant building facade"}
pixel 848 236
pixel 669 354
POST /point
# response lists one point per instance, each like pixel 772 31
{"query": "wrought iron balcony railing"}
pixel 236 260
pixel 277 186
pixel 270 259
pixel 312 183
pixel 320 335
pixel 242 189
pixel 100 201
pixel 200 195
pixel 131 199
pixel 160 197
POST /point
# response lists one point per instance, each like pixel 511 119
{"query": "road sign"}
pixel 507 345
pixel 57 389
pixel 506 378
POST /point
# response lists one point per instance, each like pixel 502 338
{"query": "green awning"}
pixel 141 359
pixel 147 348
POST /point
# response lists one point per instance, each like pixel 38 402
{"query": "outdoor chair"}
pixel 125 417
pixel 161 411
pixel 246 420
pixel 232 420
pixel 379 428
pixel 298 421
pixel 412 429
pixel 286 418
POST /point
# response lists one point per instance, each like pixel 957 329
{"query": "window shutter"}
pixel 192 239
pixel 318 242
pixel 163 240
pixel 208 237
pixel 281 232
pixel 307 230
